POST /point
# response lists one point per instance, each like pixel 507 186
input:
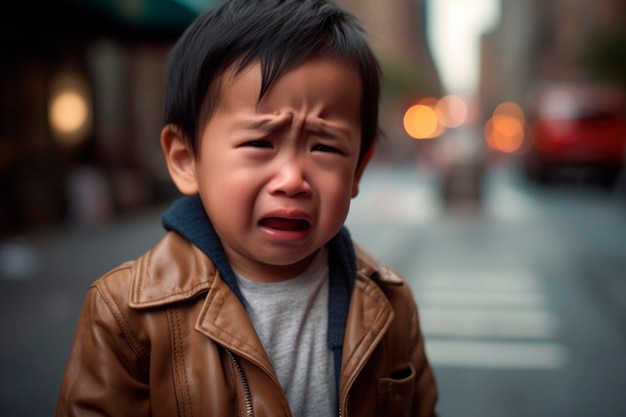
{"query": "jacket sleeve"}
pixel 425 385
pixel 107 373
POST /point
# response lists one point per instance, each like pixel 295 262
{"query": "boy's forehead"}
pixel 237 69
pixel 315 88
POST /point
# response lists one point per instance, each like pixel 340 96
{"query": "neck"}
pixel 261 272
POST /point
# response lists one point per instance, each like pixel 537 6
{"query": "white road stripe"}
pixel 470 298
pixel 495 355
pixel 495 318
pixel 488 323
pixel 479 281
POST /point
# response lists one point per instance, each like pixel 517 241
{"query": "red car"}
pixel 577 126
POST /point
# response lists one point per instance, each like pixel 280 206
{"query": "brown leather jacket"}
pixel 164 336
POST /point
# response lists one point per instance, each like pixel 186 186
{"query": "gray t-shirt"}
pixel 291 319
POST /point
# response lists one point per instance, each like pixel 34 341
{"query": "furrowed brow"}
pixel 265 123
pixel 328 130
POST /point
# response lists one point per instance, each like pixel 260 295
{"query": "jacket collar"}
pixel 174 270
pixel 188 217
pixel 184 264
pixel 189 262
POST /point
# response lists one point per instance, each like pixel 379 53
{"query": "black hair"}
pixel 280 34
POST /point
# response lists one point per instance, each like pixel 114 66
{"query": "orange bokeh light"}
pixel 502 136
pixel 421 120
pixel 505 130
pixel 510 109
pixel 69 110
pixel 507 125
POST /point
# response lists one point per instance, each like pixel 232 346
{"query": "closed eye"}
pixel 325 148
pixel 258 144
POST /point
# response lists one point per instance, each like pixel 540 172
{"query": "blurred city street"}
pixel 522 301
pixel 497 114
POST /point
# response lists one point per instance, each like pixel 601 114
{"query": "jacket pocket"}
pixel 395 394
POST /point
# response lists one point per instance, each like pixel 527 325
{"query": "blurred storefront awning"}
pixel 150 14
pixel 36 24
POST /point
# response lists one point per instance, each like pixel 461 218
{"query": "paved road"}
pixel 522 303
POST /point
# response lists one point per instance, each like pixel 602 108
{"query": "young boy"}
pixel 257 302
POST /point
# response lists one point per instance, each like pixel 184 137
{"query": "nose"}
pixel 290 178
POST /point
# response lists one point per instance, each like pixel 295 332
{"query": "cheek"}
pixel 337 197
pixel 221 191
pixel 229 192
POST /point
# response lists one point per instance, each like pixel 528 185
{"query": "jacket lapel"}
pixel 369 317
pixel 224 320
pixel 174 271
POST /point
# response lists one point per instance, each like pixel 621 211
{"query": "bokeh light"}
pixel 511 109
pixel 69 110
pixel 421 120
pixel 504 131
pixel 451 111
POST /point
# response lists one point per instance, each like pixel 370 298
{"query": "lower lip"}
pixel 285 235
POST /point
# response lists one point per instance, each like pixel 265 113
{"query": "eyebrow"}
pixel 326 129
pixel 271 123
pixel 265 123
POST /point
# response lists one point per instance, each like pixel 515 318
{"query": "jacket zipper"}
pixel 244 384
pixel 246 388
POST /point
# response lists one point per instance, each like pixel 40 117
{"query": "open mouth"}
pixel 278 223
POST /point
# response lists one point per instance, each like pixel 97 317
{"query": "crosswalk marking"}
pixel 492 320
pixel 472 298
pixel 511 280
pixel 481 305
pixel 496 354
pixel 492 323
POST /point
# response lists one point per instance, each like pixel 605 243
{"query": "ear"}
pixel 181 161
pixel 360 169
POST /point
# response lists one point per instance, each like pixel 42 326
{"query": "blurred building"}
pixel 81 107
pixel 398 34
pixel 397 31
pixel 539 41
